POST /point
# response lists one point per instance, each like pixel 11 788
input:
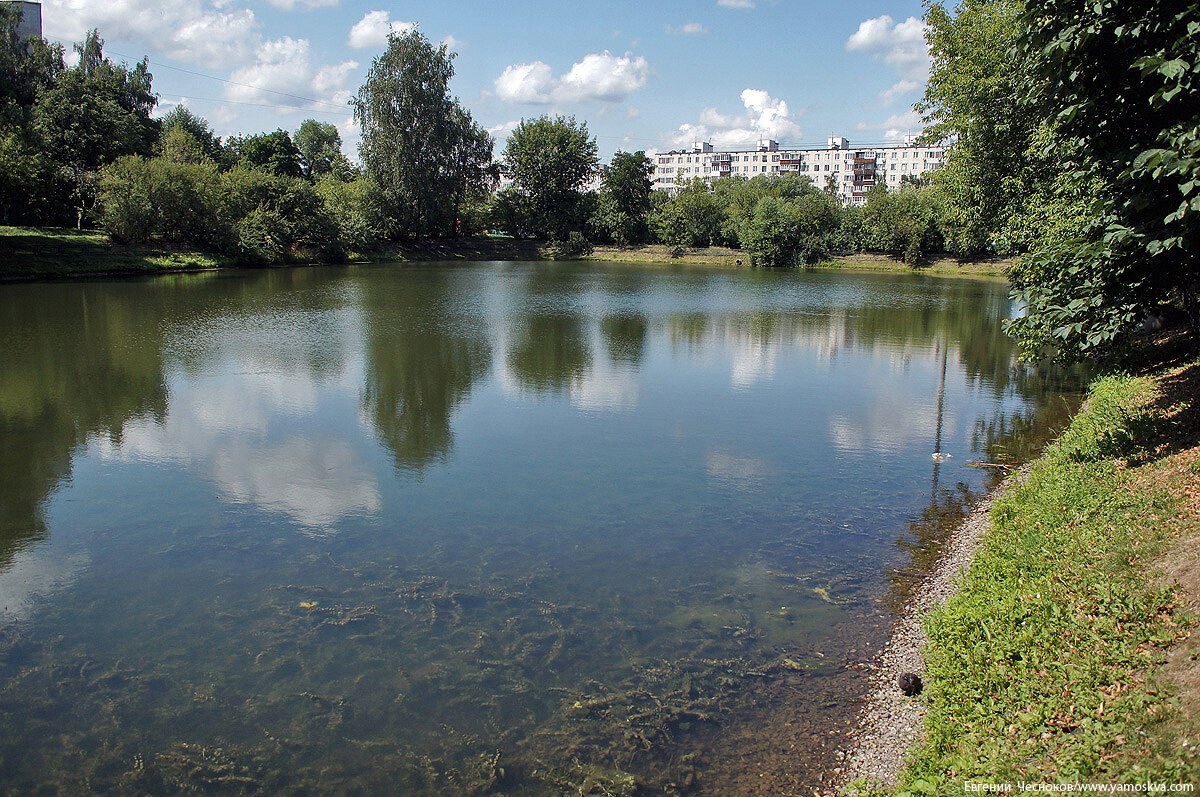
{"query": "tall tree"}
pixel 622 207
pixel 418 143
pixel 95 113
pixel 549 160
pixel 320 146
pixel 1119 78
pixel 182 133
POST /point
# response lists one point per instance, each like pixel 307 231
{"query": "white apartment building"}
pixel 855 171
pixel 30 26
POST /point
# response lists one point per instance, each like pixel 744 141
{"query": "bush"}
pixel 575 246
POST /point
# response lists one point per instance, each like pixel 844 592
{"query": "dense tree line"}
pixel 1079 150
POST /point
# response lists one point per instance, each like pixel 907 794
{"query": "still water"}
pixel 505 528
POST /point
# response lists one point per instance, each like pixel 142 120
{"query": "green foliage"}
pixel 248 213
pixel 25 174
pixel 93 114
pixel 693 217
pixel 186 138
pixel 320 146
pixel 511 212
pixel 574 246
pixel 628 182
pixel 1119 80
pixel 355 210
pixel 419 145
pixel 274 152
pixel 607 223
pixel 549 159
pixel 1037 666
pixel 787 232
pixel 903 223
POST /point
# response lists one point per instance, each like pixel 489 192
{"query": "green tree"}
pixel 418 144
pixel 1119 80
pixel 788 232
pixel 187 138
pixel 320 146
pixel 94 113
pixel 549 160
pixel 274 152
pixel 628 180
pixel 693 217
pixel 903 223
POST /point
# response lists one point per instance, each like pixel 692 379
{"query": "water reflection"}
pixel 425 350
pixel 588 522
pixel 549 353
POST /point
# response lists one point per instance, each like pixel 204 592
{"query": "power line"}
pixel 310 100
pixel 239 102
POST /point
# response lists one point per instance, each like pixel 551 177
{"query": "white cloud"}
pixel 688 29
pixel 284 67
pixel 372 30
pixel 736 3
pixel 195 31
pixel 526 83
pixel 765 117
pixel 633 112
pixel 303 5
pixel 896 127
pixel 597 76
pixel 901 46
pixel 502 131
pixel 452 43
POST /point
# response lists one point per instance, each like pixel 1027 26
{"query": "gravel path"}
pixel 890 723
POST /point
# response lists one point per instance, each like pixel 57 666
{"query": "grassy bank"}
pixel 38 253
pixel 29 253
pixel 1068 655
pixel 658 254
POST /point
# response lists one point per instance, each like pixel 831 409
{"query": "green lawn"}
pixel 27 253
pixel 1050 665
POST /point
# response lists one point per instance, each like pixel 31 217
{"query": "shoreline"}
pixel 889 724
pixel 55 253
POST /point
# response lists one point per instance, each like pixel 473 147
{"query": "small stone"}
pixel 910 684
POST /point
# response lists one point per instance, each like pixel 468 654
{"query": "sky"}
pixel 648 75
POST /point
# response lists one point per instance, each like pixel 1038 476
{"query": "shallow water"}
pixel 468 529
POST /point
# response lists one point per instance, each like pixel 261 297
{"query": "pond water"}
pixel 511 528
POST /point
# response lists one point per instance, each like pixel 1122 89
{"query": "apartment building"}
pixel 854 171
pixel 30 26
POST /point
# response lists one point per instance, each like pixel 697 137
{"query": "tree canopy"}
pixel 418 143
pixel 549 160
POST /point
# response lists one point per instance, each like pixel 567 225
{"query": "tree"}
pixel 549 160
pixel 1119 80
pixel 275 152
pixel 187 138
pixel 788 232
pixel 693 217
pixel 903 223
pixel 94 113
pixel 973 98
pixel 419 145
pixel 628 179
pixel 320 147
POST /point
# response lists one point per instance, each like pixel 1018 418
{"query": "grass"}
pixel 28 253
pixel 35 253
pixel 1051 664
pixel 719 256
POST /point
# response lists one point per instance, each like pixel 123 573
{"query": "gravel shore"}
pixel 889 723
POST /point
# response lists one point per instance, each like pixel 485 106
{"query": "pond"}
pixel 482 528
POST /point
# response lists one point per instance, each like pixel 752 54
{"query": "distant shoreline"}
pixel 30 254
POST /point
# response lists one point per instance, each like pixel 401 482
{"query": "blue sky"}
pixel 644 75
